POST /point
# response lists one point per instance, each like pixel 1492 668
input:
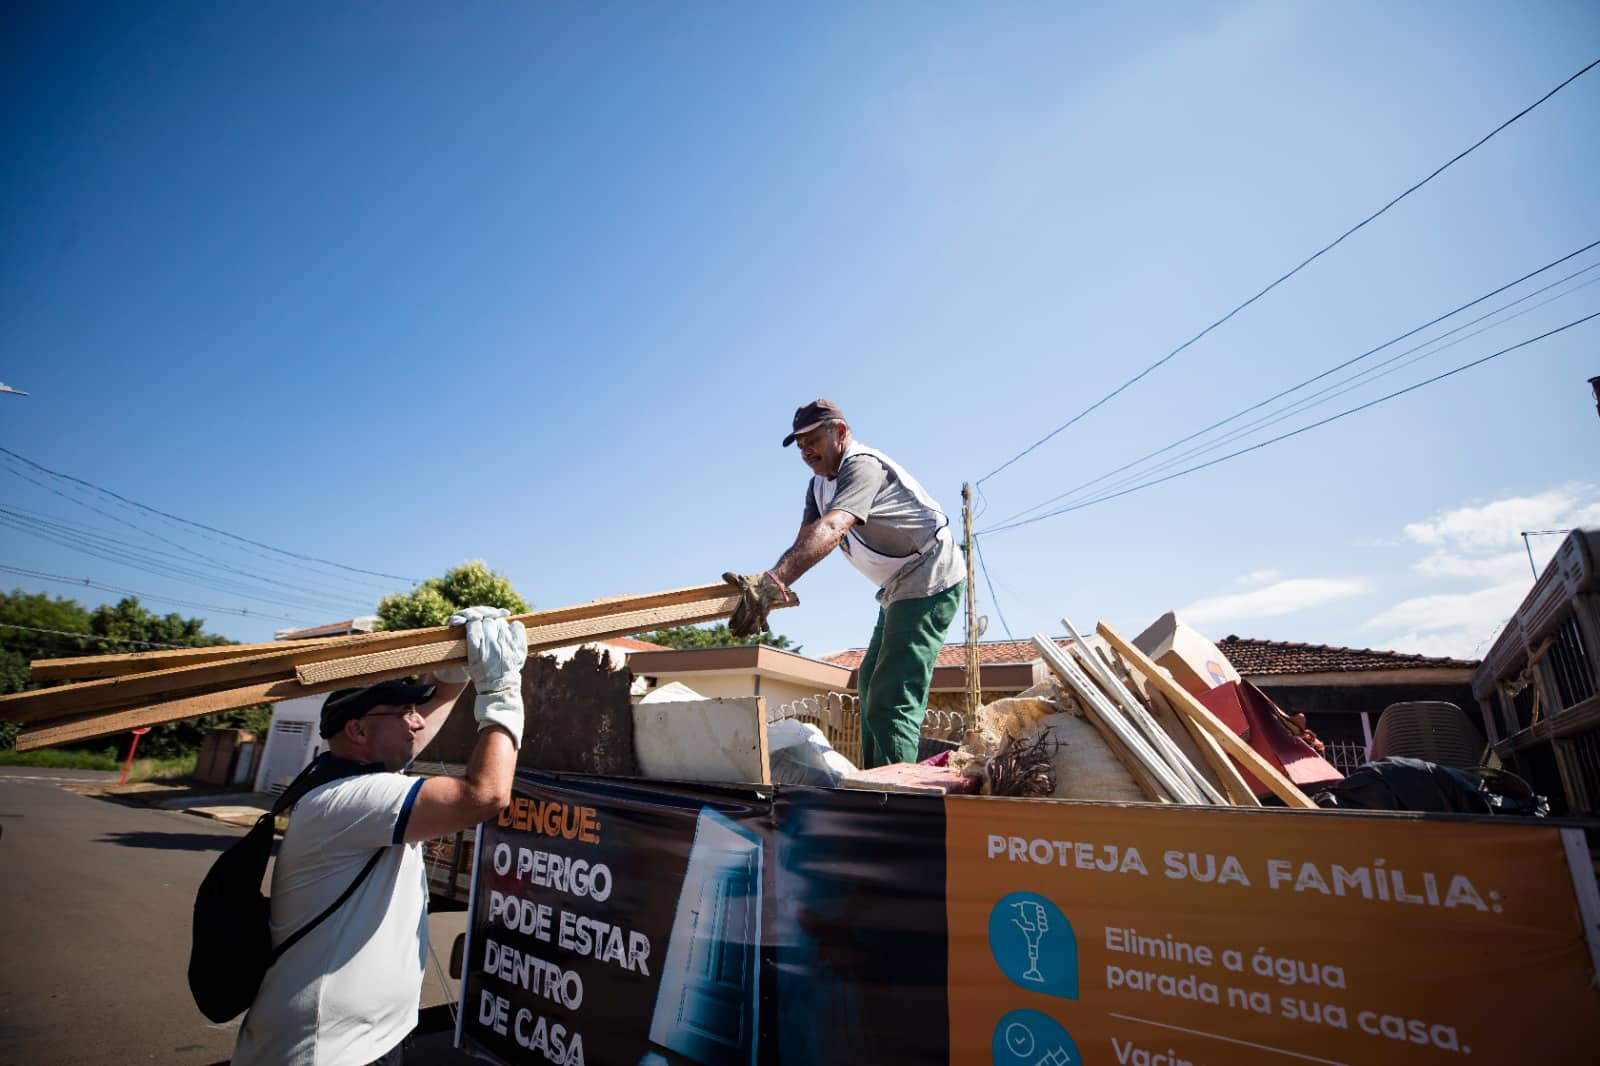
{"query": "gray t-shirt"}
pixel 891 520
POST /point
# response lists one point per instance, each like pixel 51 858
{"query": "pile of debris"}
pixel 1114 725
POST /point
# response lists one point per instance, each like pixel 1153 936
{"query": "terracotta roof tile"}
pixel 1253 658
pixel 631 644
pixel 993 651
pixel 1256 658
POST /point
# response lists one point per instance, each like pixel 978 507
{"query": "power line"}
pixel 242 612
pixel 364 584
pixel 1350 384
pixel 1291 273
pixel 91 636
pixel 1332 370
pixel 987 581
pixel 201 525
pixel 1293 432
pixel 153 561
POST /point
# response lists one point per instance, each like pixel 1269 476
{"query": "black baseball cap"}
pixel 811 416
pixel 348 704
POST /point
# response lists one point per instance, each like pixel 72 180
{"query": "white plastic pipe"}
pixel 1141 717
pixel 1097 704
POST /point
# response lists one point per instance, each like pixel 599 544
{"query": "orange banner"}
pixel 1150 936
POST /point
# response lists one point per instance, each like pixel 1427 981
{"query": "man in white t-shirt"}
pixel 347 993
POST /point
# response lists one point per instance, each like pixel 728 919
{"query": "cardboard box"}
pixel 1192 660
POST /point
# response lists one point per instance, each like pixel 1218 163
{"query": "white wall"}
pixel 715 683
pixel 292 741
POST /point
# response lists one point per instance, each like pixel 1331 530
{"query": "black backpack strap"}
pixel 319 772
pixel 335 905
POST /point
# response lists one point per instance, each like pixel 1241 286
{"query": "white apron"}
pixel 877 567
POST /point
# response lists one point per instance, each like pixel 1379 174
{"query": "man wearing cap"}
pixel 891 530
pixel 347 993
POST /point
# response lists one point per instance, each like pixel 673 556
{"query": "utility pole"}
pixel 1594 383
pixel 974 689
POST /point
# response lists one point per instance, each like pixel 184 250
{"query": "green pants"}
pixel 895 673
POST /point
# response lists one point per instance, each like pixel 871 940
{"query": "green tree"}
pixel 429 604
pixel 35 626
pixel 717 636
pixel 32 627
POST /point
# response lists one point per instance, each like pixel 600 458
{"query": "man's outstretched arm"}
pixel 814 541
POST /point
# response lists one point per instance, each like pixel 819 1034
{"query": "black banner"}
pixel 614 924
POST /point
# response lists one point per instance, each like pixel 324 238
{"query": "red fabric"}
pixel 1248 711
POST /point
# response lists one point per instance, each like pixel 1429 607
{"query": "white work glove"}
pixel 496 650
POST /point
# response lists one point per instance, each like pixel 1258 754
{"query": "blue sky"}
pixel 542 284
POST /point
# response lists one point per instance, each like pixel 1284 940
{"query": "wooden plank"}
pixel 422 657
pixel 1161 742
pixel 540 638
pixel 1158 780
pixel 1192 709
pixel 178 706
pixel 89 726
pixel 1136 769
pixel 720 741
pixel 1207 755
pixel 88 667
pixel 46 704
pixel 280 663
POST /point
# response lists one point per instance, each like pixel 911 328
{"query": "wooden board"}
pixel 88 667
pixel 281 662
pixel 540 638
pixel 720 741
pixel 45 704
pixel 1193 710
pixel 176 694
pixel 1130 762
pixel 1137 768
pixel 100 724
pixel 1209 759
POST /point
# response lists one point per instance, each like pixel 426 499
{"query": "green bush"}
pixel 143 769
pixel 57 759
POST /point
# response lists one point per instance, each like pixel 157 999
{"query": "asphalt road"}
pixel 95 903
pixel 94 919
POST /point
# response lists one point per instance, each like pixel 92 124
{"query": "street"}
pixel 95 903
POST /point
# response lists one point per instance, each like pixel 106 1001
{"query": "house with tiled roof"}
pixel 1342 691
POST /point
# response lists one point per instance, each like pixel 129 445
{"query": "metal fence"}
pixel 1346 755
pixel 838 715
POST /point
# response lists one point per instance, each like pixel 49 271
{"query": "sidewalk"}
pixel 207 801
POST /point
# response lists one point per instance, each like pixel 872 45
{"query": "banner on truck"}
pixel 639 923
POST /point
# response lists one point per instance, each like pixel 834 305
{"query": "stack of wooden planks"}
pixel 115 693
pixel 1171 744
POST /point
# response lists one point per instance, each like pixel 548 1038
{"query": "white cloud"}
pixel 1258 577
pixel 1482 544
pixel 1477 611
pixel 1283 597
pixel 1454 644
pixel 1499 525
pixel 1500 568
